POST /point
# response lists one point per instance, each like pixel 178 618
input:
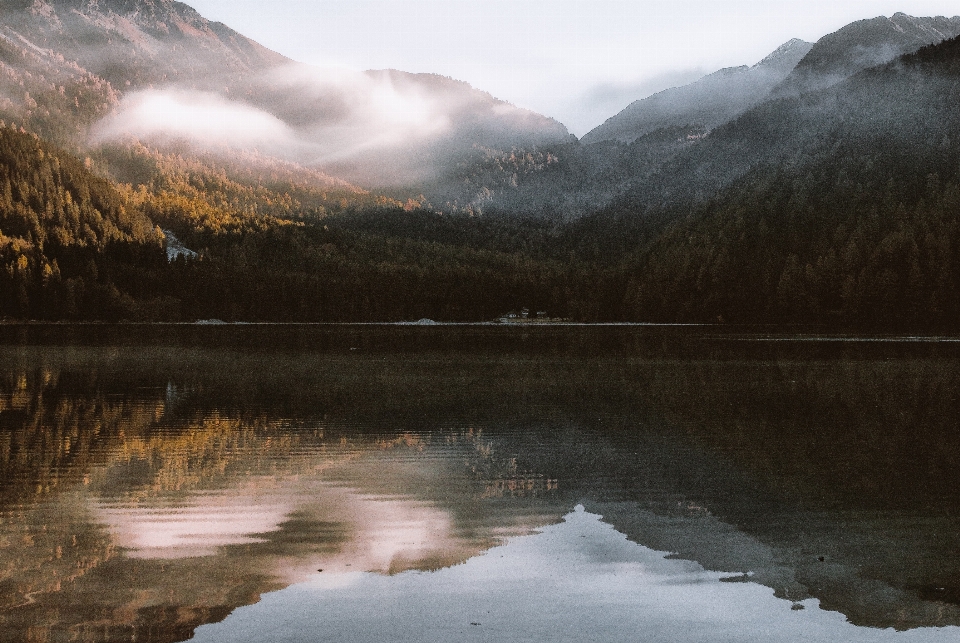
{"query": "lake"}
pixel 480 483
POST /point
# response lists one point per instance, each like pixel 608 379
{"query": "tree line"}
pixel 861 233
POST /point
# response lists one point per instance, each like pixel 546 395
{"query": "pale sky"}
pixel 579 61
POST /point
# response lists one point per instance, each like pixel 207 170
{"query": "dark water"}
pixel 476 483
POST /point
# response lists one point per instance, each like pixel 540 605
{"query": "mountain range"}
pixel 816 185
pixel 708 102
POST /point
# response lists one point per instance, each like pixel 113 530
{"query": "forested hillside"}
pixel 851 216
pixel 70 247
pixel 79 247
pixel 847 216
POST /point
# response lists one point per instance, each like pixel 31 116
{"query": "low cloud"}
pixel 374 128
pixel 342 113
pixel 299 113
pixel 202 118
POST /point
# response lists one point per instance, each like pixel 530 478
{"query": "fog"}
pixel 597 103
pixel 375 128
pixel 339 113
pixel 203 118
pixel 296 113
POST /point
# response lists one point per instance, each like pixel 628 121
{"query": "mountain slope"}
pixel 864 44
pixel 657 174
pixel 563 181
pixel 439 122
pixel 134 43
pixel 873 105
pixel 708 102
pixel 74 246
pixel 711 163
pixel 66 64
pixel 68 239
pixel 843 208
pixel 93 72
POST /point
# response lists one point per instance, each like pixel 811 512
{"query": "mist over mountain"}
pixel 863 44
pixel 101 71
pixel 680 146
pixel 890 108
pixel 67 64
pixel 708 102
pixel 565 182
pixel 98 73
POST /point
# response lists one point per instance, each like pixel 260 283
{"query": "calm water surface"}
pixel 376 483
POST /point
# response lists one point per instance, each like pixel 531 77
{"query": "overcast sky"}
pixel 579 61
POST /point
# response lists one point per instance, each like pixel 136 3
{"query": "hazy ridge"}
pixel 711 101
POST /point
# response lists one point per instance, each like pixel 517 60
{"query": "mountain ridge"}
pixel 837 206
pixel 708 102
pixel 863 44
pixel 108 37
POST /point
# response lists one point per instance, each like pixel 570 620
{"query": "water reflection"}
pixel 123 520
pixel 193 525
pixel 576 581
pixel 148 488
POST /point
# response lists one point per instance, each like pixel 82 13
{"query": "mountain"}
pixel 708 102
pixel 134 43
pixel 662 151
pixel 714 160
pixel 795 70
pixel 877 104
pixel 828 204
pixel 84 73
pixel 66 64
pixel 864 44
pixel 562 182
pixel 409 129
pixel 836 206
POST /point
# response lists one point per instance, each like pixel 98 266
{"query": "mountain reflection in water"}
pixel 155 479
